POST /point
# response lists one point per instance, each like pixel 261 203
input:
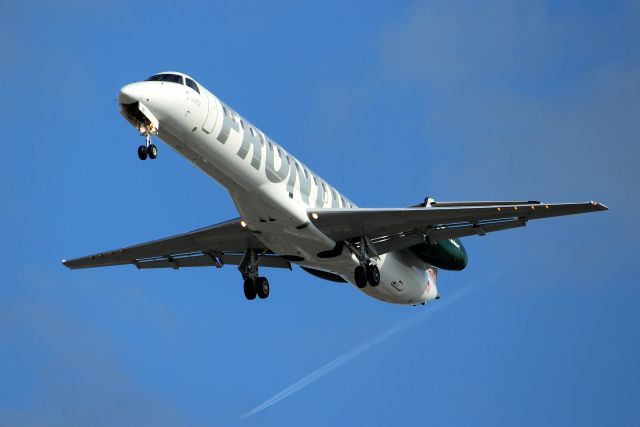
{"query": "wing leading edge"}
pixel 219 244
pixel 397 228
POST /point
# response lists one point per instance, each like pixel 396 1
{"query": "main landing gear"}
pixel 149 149
pixel 367 271
pixel 254 285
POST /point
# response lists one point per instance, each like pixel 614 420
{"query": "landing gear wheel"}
pixel 360 276
pixel 262 287
pixel 152 150
pixel 373 275
pixel 249 288
pixel 142 152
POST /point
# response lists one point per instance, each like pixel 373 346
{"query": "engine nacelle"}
pixel 446 254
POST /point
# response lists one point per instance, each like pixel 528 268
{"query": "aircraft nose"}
pixel 131 93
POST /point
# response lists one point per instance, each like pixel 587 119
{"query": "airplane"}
pixel 290 215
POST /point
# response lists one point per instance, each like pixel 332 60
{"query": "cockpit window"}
pixel 192 84
pixel 173 78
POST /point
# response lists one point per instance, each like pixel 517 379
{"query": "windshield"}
pixel 173 78
pixel 192 85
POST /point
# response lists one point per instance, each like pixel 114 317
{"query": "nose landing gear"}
pixel 149 149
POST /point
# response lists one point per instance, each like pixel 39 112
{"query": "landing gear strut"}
pixel 148 149
pixel 254 285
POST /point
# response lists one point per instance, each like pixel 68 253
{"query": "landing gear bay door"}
pixel 152 122
pixel 140 117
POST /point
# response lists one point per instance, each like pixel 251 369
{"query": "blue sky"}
pixel 453 100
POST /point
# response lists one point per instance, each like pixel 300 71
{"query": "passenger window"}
pixel 226 113
pixel 251 130
pixel 192 85
pixel 242 123
pixel 306 172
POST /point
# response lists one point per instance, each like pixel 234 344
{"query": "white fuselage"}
pixel 270 188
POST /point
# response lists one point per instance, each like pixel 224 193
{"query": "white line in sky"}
pixel 358 350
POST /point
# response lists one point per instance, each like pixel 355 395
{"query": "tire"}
pixel 373 275
pixel 360 276
pixel 152 151
pixel 249 288
pixel 142 152
pixel 262 287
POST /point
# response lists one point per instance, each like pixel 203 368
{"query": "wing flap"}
pixel 400 241
pixel 479 229
pixel 206 260
pixel 344 224
pixel 433 203
pixel 217 240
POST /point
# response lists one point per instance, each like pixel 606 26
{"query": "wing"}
pixel 219 244
pixel 393 229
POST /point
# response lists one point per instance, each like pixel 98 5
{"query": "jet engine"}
pixel 446 254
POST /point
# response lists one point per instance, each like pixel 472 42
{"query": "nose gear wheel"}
pixel 149 149
pixel 152 150
pixel 142 152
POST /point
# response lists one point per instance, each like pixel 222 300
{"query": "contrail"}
pixel 356 351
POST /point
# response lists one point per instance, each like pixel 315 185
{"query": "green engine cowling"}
pixel 446 254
